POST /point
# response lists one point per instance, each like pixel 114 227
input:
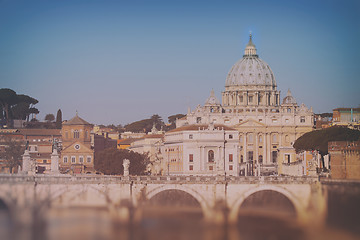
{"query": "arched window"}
pixel 211 156
pixel 76 134
pixel 274 138
pixel 250 138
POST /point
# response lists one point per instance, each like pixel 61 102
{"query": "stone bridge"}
pixel 215 198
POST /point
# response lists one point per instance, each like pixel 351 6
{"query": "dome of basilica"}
pixel 250 70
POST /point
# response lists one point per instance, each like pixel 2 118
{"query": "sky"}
pixel 116 62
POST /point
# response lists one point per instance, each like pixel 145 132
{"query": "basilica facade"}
pixel 267 126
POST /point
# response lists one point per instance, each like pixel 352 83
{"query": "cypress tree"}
pixel 58 119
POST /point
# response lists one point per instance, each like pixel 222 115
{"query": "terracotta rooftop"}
pixel 76 121
pixel 196 127
pixel 39 132
pixel 127 141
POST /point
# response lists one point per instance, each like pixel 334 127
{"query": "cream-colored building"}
pixel 267 127
pixel 205 149
pixel 77 154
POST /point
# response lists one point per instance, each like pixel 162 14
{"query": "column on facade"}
pixel 268 151
pixel 245 153
pixel 264 148
pixel 256 98
pixel 256 151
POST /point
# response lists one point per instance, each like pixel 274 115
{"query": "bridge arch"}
pixel 280 191
pixel 203 203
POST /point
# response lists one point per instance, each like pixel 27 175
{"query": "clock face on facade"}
pixel 77 147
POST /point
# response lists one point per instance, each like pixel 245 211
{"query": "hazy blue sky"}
pixel 121 61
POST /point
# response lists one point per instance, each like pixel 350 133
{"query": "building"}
pixel 39 142
pixel 201 149
pixel 347 117
pixel 149 144
pixel 345 159
pixel 267 127
pixel 77 154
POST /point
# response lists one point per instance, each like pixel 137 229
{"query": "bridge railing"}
pixel 68 179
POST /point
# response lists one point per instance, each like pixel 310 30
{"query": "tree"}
pixel 145 125
pixel 110 160
pixel 8 98
pixel 319 139
pixel 50 117
pixel 16 106
pixel 12 153
pixel 172 120
pixel 58 119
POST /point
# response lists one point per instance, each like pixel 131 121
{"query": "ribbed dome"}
pixel 250 70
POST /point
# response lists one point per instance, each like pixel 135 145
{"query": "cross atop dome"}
pixel 250 50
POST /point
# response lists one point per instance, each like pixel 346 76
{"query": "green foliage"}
pixel 13 152
pixel 110 160
pixel 145 125
pixel 318 139
pixel 58 122
pixel 172 120
pixel 49 117
pixel 16 106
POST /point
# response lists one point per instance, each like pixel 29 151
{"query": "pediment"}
pixel 250 123
pixel 81 149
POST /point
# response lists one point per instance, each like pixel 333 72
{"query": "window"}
pixel 274 120
pixel 211 156
pixel 250 138
pixel 211 168
pixel 240 120
pixel 230 167
pixel 230 136
pixel 241 98
pixel 190 136
pixel 260 120
pixel 191 167
pixel 274 156
pixel 287 138
pixel 198 120
pixel 289 110
pixel 65 159
pixel 260 158
pixel 241 158
pixel 250 99
pixel 81 159
pixel 44 161
pixel 287 158
pixel 191 158
pixel 274 138
pixel 88 159
pixel 35 147
pixel 73 159
pixel 302 119
pixel 287 120
pixel 250 156
pixel 260 139
pixel 76 134
pixel 230 158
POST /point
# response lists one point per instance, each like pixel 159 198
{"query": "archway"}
pixel 5 220
pixel 268 213
pixel 173 213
